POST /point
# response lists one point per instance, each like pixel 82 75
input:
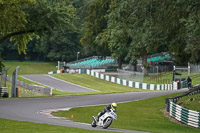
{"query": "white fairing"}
pixel 111 114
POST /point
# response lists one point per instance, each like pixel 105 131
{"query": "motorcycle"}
pixel 105 120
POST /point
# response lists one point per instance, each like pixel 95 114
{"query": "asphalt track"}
pixel 38 110
pixel 57 83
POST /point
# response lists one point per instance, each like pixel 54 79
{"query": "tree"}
pixel 34 19
pixel 24 20
pixel 59 33
pixel 128 33
pixel 13 22
pixel 60 46
pixel 116 35
pixel 94 25
pixel 146 27
pixel 1 64
pixel 192 24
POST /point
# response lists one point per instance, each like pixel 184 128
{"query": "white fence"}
pixel 129 83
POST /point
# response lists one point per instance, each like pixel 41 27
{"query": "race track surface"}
pixel 57 83
pixel 30 109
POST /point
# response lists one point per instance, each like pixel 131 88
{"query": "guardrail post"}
pixel 167 104
pixel 14 82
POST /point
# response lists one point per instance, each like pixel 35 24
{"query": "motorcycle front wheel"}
pixel 93 123
pixel 107 122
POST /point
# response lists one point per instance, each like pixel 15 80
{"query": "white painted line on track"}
pixel 65 109
pixel 72 83
pixel 47 112
pixel 35 81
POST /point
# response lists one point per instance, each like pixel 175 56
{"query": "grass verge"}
pixel 191 102
pixel 30 67
pixel 11 126
pixel 30 82
pixel 96 84
pixel 161 78
pixel 166 78
pixel 144 115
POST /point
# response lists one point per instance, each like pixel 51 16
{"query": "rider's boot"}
pixel 99 115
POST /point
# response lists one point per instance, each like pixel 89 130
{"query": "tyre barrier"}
pixel 3 92
pixel 184 115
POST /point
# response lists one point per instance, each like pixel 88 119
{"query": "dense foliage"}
pixel 13 22
pixel 126 29
pixel 36 22
pixel 145 27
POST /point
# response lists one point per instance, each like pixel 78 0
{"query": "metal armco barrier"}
pixel 35 88
pixel 186 116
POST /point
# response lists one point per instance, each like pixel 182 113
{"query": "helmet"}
pixel 114 106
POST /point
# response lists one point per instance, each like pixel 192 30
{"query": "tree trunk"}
pixel 119 61
pixel 135 67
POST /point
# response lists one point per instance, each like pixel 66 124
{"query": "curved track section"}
pixel 57 83
pixel 29 109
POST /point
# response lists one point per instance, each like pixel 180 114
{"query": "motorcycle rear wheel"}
pixel 107 122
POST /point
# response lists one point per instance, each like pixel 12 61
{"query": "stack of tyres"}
pixel 3 92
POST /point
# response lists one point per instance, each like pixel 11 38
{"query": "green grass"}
pixel 61 93
pixel 11 126
pixel 45 67
pixel 144 115
pixel 81 79
pixel 24 92
pixel 55 92
pixel 166 78
pixel 30 67
pixel 161 78
pixel 195 79
pixel 191 102
pixel 96 84
pixel 87 81
pixel 30 82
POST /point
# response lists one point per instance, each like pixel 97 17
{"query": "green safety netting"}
pixel 158 58
pixel 91 63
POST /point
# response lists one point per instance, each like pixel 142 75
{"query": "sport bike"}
pixel 105 120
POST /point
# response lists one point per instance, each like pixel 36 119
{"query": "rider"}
pixel 189 80
pixel 107 109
